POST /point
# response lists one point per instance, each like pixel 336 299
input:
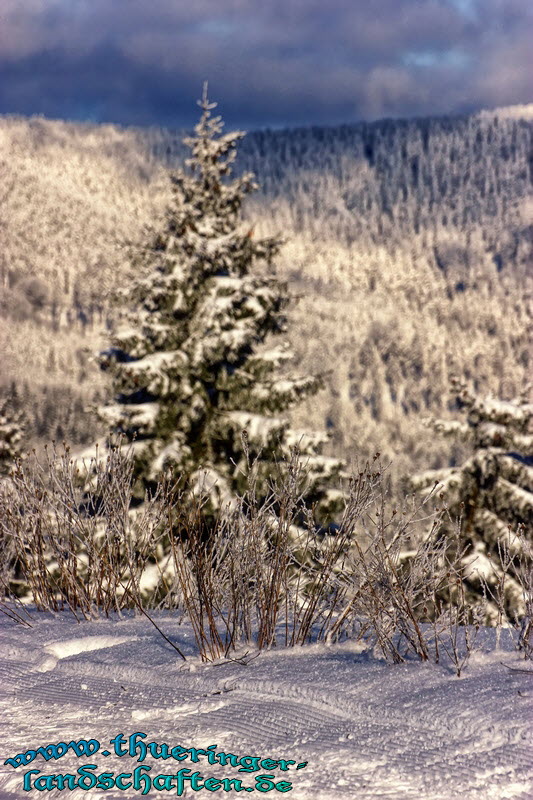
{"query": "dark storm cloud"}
pixel 269 62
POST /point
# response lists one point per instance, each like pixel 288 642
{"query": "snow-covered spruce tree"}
pixel 190 369
pixel 490 496
pixel 11 434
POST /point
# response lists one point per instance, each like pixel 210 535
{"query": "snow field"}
pixel 365 728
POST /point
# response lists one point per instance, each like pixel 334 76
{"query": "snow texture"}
pixel 366 729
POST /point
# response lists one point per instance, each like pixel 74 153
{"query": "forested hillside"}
pixel 408 244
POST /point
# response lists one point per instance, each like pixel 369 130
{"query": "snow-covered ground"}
pixel 366 729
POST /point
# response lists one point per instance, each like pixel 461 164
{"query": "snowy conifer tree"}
pixel 491 493
pixel 11 433
pixel 189 367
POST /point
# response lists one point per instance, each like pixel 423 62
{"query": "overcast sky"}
pixel 269 63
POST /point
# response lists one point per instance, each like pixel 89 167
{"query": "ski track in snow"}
pixel 368 730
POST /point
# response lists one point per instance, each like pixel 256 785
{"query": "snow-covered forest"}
pixel 407 246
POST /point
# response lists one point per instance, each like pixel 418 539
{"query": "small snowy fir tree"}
pixel 490 495
pixel 190 370
pixel 11 433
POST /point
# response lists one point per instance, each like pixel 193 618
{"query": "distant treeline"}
pixel 384 181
